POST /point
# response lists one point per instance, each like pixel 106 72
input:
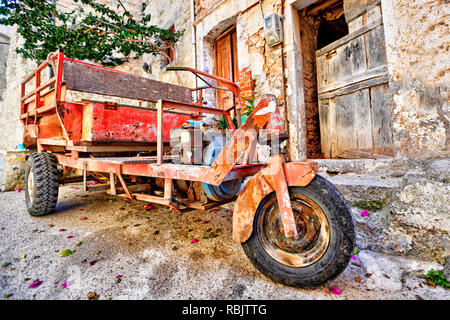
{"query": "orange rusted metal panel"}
pixel 242 139
pixel 71 115
pixel 50 127
pixel 299 174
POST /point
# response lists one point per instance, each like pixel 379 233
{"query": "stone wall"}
pixel 16 69
pixel 4 49
pixel 176 14
pixel 419 68
pixel 415 33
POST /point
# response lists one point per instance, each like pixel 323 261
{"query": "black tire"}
pixel 41 194
pixel 339 248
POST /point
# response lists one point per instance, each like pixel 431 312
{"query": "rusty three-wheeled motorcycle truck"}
pixel 294 225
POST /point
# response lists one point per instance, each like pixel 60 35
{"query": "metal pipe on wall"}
pixel 194 44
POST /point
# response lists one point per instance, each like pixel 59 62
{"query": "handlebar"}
pixel 229 85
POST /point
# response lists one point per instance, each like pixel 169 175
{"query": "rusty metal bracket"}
pixel 124 185
pixel 281 189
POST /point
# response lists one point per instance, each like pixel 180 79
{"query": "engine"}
pixel 197 144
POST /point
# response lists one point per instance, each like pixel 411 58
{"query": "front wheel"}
pixel 325 242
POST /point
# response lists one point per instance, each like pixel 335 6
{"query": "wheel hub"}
pixel 313 233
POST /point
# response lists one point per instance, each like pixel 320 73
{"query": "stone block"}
pixel 423 204
pixel 12 170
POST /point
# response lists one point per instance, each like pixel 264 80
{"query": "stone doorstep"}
pixel 380 167
pixel 367 192
pixel 436 169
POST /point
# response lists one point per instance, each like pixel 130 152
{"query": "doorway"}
pixel 226 63
pixel 345 84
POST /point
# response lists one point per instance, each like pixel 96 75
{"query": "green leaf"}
pixel 66 253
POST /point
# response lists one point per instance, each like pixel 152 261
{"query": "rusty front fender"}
pixel 298 173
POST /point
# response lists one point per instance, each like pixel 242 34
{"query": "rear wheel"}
pixel 323 247
pixel 41 184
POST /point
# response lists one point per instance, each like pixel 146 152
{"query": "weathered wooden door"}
pixel 354 101
pixel 226 65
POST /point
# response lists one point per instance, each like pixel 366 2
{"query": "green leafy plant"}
pixel 437 278
pixel 221 122
pixel 249 106
pixel 92 31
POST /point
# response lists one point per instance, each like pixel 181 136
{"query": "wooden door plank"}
pixel 355 87
pixel 381 116
pixel 353 79
pixel 345 123
pixel 363 121
pixel 325 132
pixel 349 37
pixel 376 48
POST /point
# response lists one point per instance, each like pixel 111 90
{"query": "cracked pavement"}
pixel 153 252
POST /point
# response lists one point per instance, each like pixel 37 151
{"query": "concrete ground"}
pixel 153 252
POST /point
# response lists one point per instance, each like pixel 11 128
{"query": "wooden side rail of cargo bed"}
pixel 70 74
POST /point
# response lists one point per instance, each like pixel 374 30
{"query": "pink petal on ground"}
pixel 18 191
pixel 65 284
pixel 90 264
pixel 354 257
pixel 364 213
pixel 62 229
pixel 84 218
pixel 335 290
pixel 69 237
pixel 119 276
pixel 35 284
pixel 194 240
pixel 148 207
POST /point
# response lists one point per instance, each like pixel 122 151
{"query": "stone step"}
pixel 379 167
pixel 366 192
pixel 374 194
